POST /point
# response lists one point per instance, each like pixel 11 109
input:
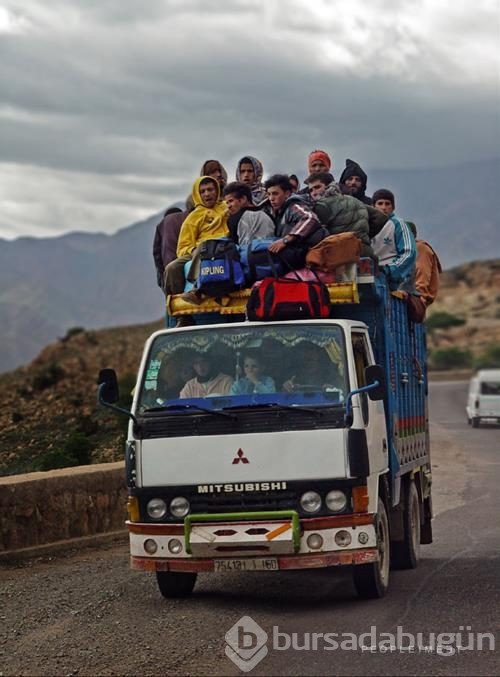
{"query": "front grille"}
pixel 165 424
pixel 245 501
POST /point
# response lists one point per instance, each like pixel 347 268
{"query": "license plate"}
pixel 257 564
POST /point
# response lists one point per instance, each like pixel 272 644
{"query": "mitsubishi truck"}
pixel 319 458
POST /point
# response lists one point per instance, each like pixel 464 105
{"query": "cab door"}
pixel 370 414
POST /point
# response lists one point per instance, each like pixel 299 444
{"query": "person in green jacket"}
pixel 337 212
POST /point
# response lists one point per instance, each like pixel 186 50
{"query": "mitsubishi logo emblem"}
pixel 240 457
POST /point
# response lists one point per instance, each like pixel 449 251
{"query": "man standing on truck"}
pixel 246 222
pixel 353 182
pixel 428 269
pixel 394 244
pixel 208 220
pixel 297 226
pixel 250 171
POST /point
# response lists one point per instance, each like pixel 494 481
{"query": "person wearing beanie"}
pixel 353 182
pixel 250 171
pixel 394 244
pixel 319 161
pixel 214 169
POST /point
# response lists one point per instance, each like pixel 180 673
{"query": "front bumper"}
pixel 283 538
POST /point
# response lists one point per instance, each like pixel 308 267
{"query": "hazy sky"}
pixel 109 107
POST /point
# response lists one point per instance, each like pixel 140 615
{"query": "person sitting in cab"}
pixel 254 380
pixel 209 380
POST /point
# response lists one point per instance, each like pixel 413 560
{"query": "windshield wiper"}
pixel 195 407
pixel 275 405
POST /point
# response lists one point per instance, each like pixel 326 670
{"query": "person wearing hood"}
pixel 250 171
pixel 353 182
pixel 214 169
pixel 207 221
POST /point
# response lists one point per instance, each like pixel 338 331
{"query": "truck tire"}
pixel 475 422
pixel 372 580
pixel 175 584
pixel 405 553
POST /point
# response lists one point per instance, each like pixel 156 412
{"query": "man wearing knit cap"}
pixel 353 182
pixel 394 245
pixel 319 161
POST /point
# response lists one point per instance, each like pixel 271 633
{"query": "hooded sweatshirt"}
pixel 211 166
pixel 258 191
pixel 203 223
pixel 353 169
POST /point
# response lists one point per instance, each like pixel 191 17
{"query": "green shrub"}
pixel 76 450
pixel 73 331
pixel 489 358
pixel 47 376
pixel 450 358
pixel 443 320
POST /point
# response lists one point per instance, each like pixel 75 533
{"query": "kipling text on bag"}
pixel 334 251
pixel 220 268
pixel 288 299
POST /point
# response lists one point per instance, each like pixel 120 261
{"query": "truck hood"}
pixel 297 455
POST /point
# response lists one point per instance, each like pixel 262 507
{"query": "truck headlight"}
pixel 310 501
pixel 336 500
pixel 157 508
pixel 179 506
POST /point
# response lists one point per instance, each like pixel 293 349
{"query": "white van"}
pixel 483 401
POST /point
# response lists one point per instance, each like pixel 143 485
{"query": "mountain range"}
pixel 91 280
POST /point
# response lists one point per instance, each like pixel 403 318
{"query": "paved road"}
pixel 87 614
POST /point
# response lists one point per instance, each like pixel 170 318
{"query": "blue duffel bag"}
pixel 258 262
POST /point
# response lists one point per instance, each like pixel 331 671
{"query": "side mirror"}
pixel 108 386
pixel 108 394
pixel 374 373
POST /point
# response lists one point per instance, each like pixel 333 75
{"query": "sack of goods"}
pixel 258 262
pixel 334 251
pixel 287 299
pixel 220 268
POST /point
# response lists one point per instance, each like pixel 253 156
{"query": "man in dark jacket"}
pixel 353 181
pixel 165 240
pixel 297 226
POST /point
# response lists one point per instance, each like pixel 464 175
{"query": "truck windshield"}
pixel 223 367
pixel 490 388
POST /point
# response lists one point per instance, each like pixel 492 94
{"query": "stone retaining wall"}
pixel 72 504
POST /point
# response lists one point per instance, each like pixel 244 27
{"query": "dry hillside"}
pixel 48 411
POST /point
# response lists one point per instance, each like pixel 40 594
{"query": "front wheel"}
pixel 175 584
pixel 405 553
pixel 475 422
pixel 372 580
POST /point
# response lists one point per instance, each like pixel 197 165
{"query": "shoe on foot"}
pixel 193 296
pixel 185 321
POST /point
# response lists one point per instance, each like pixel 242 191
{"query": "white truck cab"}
pixel 483 400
